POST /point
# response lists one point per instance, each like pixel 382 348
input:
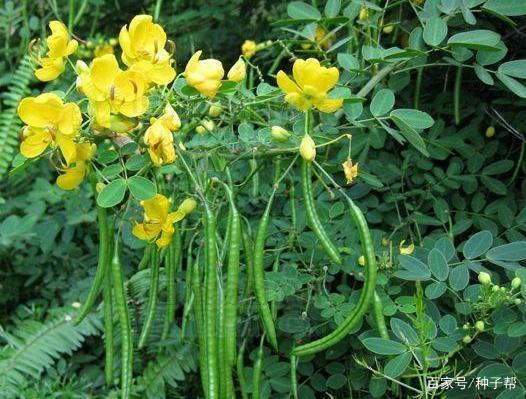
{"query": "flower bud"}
pixel 388 29
pixel 490 132
pixel 466 339
pixel 238 72
pixel 516 283
pixel 307 148
pixel 200 129
pixel 479 326
pixel 364 14
pixel 385 242
pixel 517 301
pixel 361 260
pixel 466 326
pixel 484 278
pixel 279 134
pixel 188 205
pixel 495 288
pixel 214 111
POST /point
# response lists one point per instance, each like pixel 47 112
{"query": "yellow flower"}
pixel 310 86
pixel 238 72
pixel 248 48
pixel 74 175
pixel 307 148
pixel 59 47
pixel 158 222
pixel 350 170
pixel 204 75
pixel 406 250
pixel 112 91
pixel 143 49
pixel 49 122
pixel 159 137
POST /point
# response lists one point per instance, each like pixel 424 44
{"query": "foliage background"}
pixel 470 183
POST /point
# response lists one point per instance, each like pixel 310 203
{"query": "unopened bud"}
pixel 479 326
pixel 188 205
pixel 516 283
pixel 484 278
pixel 307 148
pixel 279 134
pixel 214 111
pixel 490 132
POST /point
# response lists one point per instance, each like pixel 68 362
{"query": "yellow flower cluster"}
pixel 159 136
pixel 158 222
pixel 59 48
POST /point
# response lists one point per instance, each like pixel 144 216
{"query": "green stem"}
pixel 456 95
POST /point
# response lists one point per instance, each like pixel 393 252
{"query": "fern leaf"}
pixel 34 346
pixel 9 123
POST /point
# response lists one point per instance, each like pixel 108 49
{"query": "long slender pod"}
pixel 258 366
pixel 171 263
pixel 231 294
pixel 293 377
pixel 312 214
pixel 107 306
pixel 379 316
pixel 200 322
pixel 151 308
pixel 259 277
pixel 188 293
pixel 248 248
pixel 240 370
pixel 366 295
pixel 145 260
pixel 210 311
pixel 103 257
pixel 124 322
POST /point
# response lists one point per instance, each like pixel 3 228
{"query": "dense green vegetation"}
pixel 330 202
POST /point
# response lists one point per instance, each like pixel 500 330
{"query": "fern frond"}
pixel 34 346
pixel 167 369
pixel 9 122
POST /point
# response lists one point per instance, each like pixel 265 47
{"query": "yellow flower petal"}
pixel 103 72
pixel 50 69
pixel 238 72
pixel 286 84
pixel 328 105
pixel 67 147
pixel 156 208
pixel 35 143
pixel 72 178
pixel 41 111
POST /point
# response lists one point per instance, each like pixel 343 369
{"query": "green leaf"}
pixel 515 86
pixel 494 185
pixel 499 167
pixel 112 194
pixel 484 75
pixel 141 188
pixel 348 62
pixel 382 346
pixel 515 69
pixel 459 277
pixel 436 290
pixel 477 244
pixel 509 8
pixel 332 8
pixel 435 31
pixel 475 39
pixel 382 102
pixel 414 269
pixel 513 252
pixel 398 364
pixel 411 135
pixel 413 117
pixel 438 264
pixel 517 329
pixel 301 10
pixel 444 344
pixel 404 331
